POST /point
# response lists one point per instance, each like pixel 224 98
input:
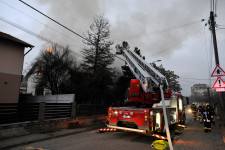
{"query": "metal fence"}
pixel 14 112
pixel 57 110
pixel 90 109
pixel 20 112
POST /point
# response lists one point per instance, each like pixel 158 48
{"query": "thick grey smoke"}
pixel 132 18
pixel 183 50
pixel 76 15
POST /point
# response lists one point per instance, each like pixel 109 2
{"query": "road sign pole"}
pixel 165 119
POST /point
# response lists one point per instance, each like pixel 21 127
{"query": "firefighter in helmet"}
pixel 200 109
pixel 207 118
pixel 194 111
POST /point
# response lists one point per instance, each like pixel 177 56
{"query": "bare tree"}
pixel 97 60
pixel 97 55
pixel 52 68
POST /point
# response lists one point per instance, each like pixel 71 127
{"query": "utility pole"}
pixel 212 27
pixel 212 21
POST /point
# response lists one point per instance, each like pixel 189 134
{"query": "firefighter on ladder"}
pixel 207 115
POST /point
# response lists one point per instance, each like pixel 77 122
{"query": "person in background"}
pixel 207 119
pixel 200 110
pixel 194 111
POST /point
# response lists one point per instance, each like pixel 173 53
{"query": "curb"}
pixel 47 138
pixel 36 140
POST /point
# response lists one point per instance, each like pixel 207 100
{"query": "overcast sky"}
pixel 166 30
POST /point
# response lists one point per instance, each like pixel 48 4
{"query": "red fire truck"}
pixel 146 113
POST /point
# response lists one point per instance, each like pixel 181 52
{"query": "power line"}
pixel 156 32
pixel 32 33
pixel 55 21
pixel 193 78
pixel 35 19
pixel 219 25
pixel 176 44
pixel 187 81
pixel 26 30
pixel 220 28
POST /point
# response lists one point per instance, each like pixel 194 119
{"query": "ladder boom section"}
pixel 148 75
pixel 138 72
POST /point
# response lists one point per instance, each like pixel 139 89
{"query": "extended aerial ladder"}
pixel 147 77
pixel 149 88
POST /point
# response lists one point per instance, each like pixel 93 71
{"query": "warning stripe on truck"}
pixel 160 137
pixel 107 129
pixel 127 129
pixel 181 125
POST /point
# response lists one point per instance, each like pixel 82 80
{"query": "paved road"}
pixel 92 140
pixel 194 138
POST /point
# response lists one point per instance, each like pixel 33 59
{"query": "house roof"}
pixel 11 38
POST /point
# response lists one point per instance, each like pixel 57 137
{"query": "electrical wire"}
pixel 187 81
pixel 178 43
pixel 164 50
pixel 55 21
pixel 155 32
pixel 219 25
pixel 26 30
pixel 220 28
pixel 37 20
pixel 32 33
pixel 192 78
pixel 130 37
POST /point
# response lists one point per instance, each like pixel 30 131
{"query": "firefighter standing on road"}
pixel 200 109
pixel 194 111
pixel 207 118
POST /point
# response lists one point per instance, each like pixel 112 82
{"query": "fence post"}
pixel 73 109
pixel 41 113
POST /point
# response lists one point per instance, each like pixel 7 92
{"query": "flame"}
pixel 50 50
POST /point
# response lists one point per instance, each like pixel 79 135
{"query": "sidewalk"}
pixel 194 138
pixel 27 139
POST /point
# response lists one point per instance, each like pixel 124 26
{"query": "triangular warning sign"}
pixel 218 71
pixel 219 83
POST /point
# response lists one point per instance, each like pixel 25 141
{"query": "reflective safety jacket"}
pixel 207 116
